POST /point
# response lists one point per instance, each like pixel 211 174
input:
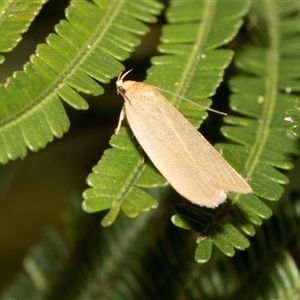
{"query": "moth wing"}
pixel 184 157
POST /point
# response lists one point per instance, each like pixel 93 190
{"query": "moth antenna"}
pixel 124 74
pixel 190 101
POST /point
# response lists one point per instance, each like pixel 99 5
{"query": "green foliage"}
pixel 86 47
pixel 124 156
pixel 15 19
pixel 147 255
pixel 264 139
pixel 197 60
pixel 132 260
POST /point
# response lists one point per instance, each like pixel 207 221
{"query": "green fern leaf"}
pixel 107 192
pixel 260 158
pixel 268 267
pixel 15 19
pixel 289 66
pixel 85 49
pixel 264 139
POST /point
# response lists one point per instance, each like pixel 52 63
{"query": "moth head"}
pixel 119 83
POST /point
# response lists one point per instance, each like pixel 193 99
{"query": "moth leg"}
pixel 121 118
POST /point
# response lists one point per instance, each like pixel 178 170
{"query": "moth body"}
pixel 193 167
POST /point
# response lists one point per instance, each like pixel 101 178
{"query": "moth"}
pixel 193 167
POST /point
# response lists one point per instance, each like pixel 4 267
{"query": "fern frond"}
pixel 191 67
pixel 86 48
pixel 267 267
pixel 258 94
pixel 289 65
pixel 15 18
pixel 108 191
